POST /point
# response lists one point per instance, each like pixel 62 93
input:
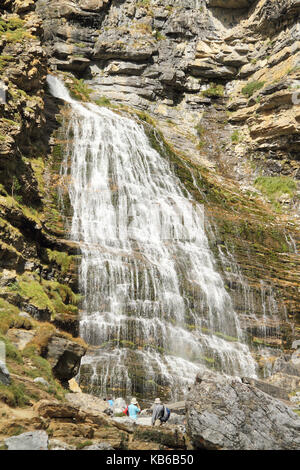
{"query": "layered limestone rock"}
pixel 32 257
pixel 224 413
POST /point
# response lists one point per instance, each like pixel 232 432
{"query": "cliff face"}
pixel 38 270
pixel 219 81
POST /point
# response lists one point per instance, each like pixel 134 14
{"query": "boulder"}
pixel 4 374
pixel 41 380
pixel 93 5
pixel 55 409
pixel 64 356
pixel 56 444
pixel 74 387
pixel 20 337
pixel 87 403
pixel 99 446
pixel 168 436
pixel 32 440
pixel 224 413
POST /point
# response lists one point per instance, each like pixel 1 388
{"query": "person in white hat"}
pixel 134 409
pixel 158 411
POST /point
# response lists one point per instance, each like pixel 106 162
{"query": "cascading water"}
pixel 155 309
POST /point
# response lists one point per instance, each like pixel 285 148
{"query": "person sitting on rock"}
pixel 158 411
pixel 134 409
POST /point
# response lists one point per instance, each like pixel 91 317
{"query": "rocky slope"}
pixel 218 82
pixel 76 425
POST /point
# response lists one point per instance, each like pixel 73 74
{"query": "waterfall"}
pixel 155 310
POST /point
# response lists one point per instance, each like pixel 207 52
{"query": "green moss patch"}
pixel 252 87
pixel 102 101
pixel 11 351
pixel 14 395
pixel 61 258
pixel 14 30
pixel 214 91
pixel 46 295
pixel 10 318
pixel 79 90
pixel 275 186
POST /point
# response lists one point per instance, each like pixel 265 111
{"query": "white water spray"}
pixel 155 309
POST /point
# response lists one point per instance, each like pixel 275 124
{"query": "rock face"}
pixel 229 66
pixel 32 440
pixel 64 357
pixel 4 374
pixel 229 69
pixel 224 413
pixel 230 3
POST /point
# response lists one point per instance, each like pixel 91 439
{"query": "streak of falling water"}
pixel 155 309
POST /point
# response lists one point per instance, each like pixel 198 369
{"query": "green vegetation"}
pixel 143 3
pixel 81 445
pixel 28 363
pixel 9 317
pixel 146 118
pixel 200 144
pixel 235 137
pixel 4 60
pixel 32 291
pixel 13 30
pixel 14 395
pixel 159 36
pixel 200 130
pixel 275 186
pixel 252 87
pixel 40 367
pixel 11 351
pixel 15 188
pixel 61 258
pixel 102 101
pixel 79 90
pixel 46 295
pixel 214 91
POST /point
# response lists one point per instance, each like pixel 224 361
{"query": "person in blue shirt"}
pixel 134 409
pixel 110 402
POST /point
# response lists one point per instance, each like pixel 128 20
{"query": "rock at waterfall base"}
pixel 225 414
